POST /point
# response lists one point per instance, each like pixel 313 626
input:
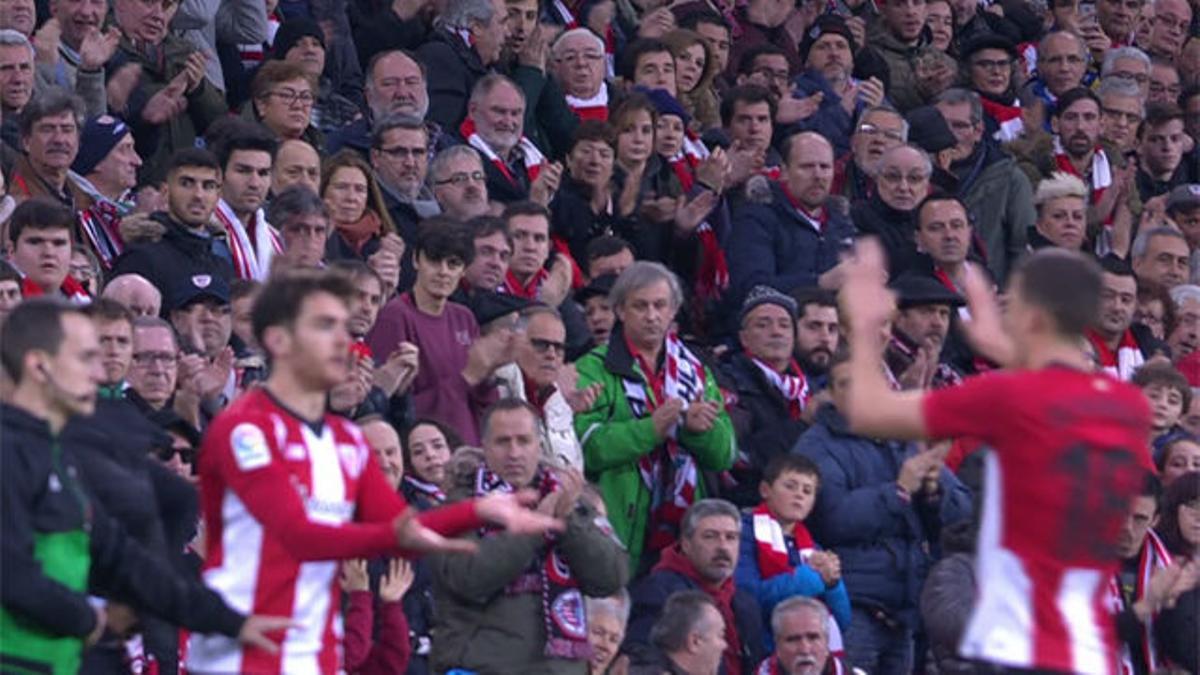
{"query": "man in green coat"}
pixel 659 419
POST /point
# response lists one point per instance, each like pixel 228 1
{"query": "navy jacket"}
pixel 882 540
pixel 777 247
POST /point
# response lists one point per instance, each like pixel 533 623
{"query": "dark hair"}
pixel 1064 284
pixel 349 159
pixel 693 19
pixel 812 295
pixel 452 438
pixel 1158 114
pixel 509 404
pixel 790 463
pixel 594 130
pixel 396 121
pixel 192 157
pixel 1150 291
pixel 749 94
pixel 638 48
pixel 632 103
pixel 1153 487
pixel 1157 373
pixel 295 200
pixel 231 134
pixel 680 615
pixel 108 310
pixel 526 208
pixel 486 226
pixel 1172 440
pixel 1185 490
pixel 745 64
pixel 39 213
pixel 51 101
pixel 243 288
pixel 35 324
pixel 354 269
pixel 281 298
pixel 1111 264
pixel 939 196
pixel 1073 96
pixel 9 273
pixel 604 246
pixel 441 237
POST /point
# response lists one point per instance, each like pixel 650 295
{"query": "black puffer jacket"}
pixel 170 255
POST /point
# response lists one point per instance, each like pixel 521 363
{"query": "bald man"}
pixel 136 293
pixel 384 440
pixel 792 236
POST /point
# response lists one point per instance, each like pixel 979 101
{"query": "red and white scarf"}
pixel 548 574
pixel 101 225
pixel 713 276
pixel 593 108
pixel 251 259
pixel 833 666
pixel 1153 556
pixel 1123 362
pixel 252 55
pixel 71 289
pixel 669 472
pixel 769 539
pixel 528 290
pixel 1102 177
pixel 793 387
pixel 531 157
pixel 815 219
pixel 1008 118
pixel 431 490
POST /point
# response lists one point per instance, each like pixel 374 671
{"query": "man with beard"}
pixel 879 129
pixel 50 138
pixel 495 123
pixel 400 156
pixel 920 328
pixel 186 247
pixel 801 629
pixel 459 183
pixel 1121 346
pixel 1121 111
pixel 894 36
pixel 246 151
pixel 818 333
pixel 1162 149
pixel 395 86
pixel 704 559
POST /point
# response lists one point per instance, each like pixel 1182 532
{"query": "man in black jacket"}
pixel 185 247
pixel 466 44
pixel 59 545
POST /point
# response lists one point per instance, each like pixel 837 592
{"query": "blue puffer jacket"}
pixel 803 580
pixel 775 246
pixel 882 540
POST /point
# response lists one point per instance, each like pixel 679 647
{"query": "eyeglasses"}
pixel 401 152
pixel 462 178
pixel 146 359
pixel 1140 78
pixel 897 177
pixel 1119 115
pixel 575 57
pixel 992 64
pixel 291 96
pixel 542 346
pixel 872 130
pixel 187 454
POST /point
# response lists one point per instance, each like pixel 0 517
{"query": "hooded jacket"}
pixel 179 253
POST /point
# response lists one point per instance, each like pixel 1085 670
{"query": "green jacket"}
pixel 480 627
pixel 614 440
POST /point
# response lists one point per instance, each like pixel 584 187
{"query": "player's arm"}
pixel 378 502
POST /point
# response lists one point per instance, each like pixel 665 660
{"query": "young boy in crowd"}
pixel 778 557
pixel 1169 395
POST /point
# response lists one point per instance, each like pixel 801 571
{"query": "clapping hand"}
pixel 397 581
pixel 354 576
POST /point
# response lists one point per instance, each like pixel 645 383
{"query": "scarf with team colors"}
pixel 833 666
pixel 1123 362
pixel 1008 118
pixel 713 276
pixel 101 225
pixel 531 157
pixel 669 472
pixel 1102 177
pixel 251 259
pixel 772 545
pixel 594 108
pixel 550 575
pixel 529 291
pixel 70 288
pixel 1153 557
pixel 431 490
pixel 793 387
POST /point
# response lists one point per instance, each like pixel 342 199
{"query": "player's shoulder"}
pixel 344 429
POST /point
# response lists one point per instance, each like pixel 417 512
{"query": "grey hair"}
pixel 1079 43
pixel 1113 55
pixel 680 617
pixel 958 96
pixel 448 155
pixel 707 508
pixel 1141 244
pixel 1183 293
pixel 617 606
pixel 396 121
pixel 487 83
pixel 152 322
pixel 1119 86
pixel 885 108
pixel 51 101
pixel 295 201
pixel 526 315
pixel 462 13
pixel 15 38
pixel 800 603
pixel 891 151
pixel 574 32
pixel 640 275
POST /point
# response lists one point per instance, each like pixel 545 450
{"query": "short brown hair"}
pixel 1064 284
pixel 272 73
pixel 279 301
pixel 1166 375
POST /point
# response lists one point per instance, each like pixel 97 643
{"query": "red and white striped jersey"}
pixel 283 500
pixel 1070 451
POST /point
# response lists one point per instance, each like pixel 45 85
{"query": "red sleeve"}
pixel 254 470
pixel 392 649
pixel 973 408
pixel 358 625
pixel 454 519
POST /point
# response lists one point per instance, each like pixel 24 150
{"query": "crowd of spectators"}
pixel 595 248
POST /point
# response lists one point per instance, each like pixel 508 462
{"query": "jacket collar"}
pixel 21 420
pixel 618 360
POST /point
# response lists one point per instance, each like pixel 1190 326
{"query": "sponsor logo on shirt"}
pixel 330 512
pixel 249 445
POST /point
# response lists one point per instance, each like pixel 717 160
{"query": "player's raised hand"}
pixel 985 329
pixel 514 513
pixel 865 299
